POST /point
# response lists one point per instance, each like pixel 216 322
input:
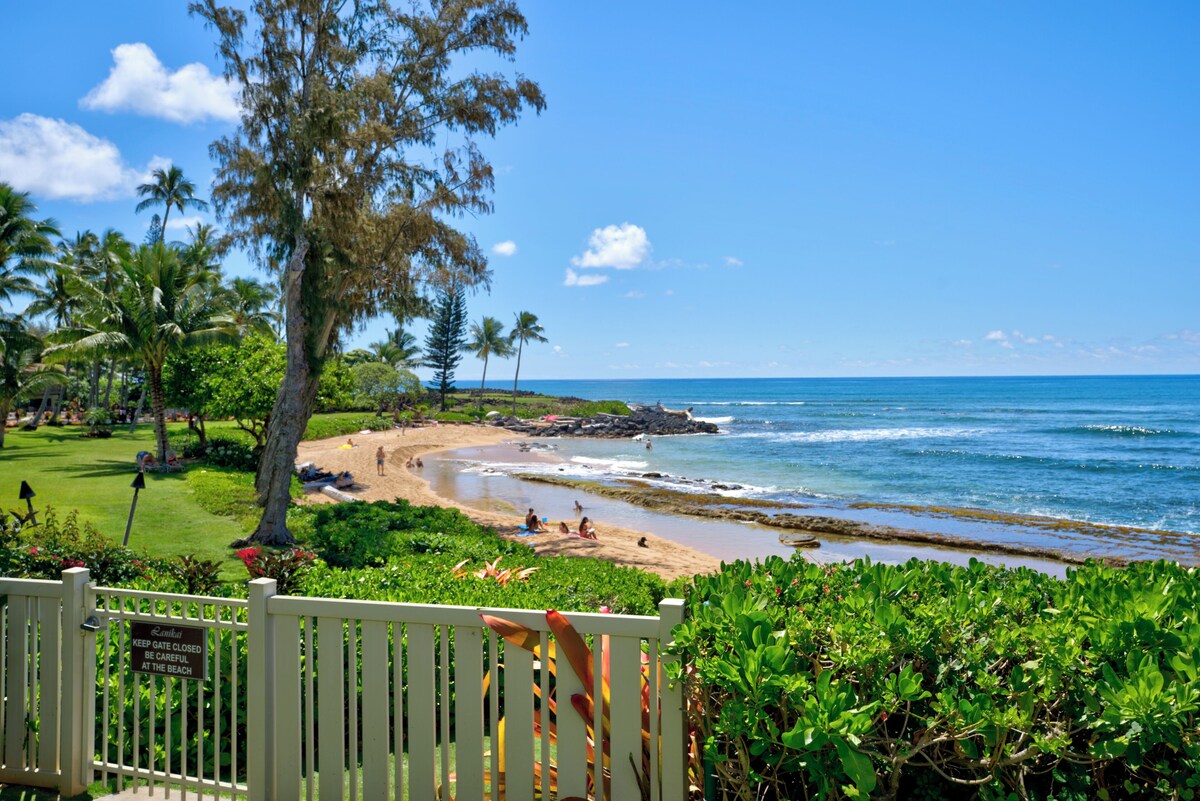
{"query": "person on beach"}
pixel 586 530
pixel 349 442
pixel 531 521
pixel 379 460
pixel 563 528
pixel 419 462
pixel 409 463
pixel 648 447
pixel 578 508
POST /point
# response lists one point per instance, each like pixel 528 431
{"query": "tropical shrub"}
pixel 99 420
pixel 197 576
pixel 286 567
pixel 46 550
pixel 361 534
pixel 229 452
pixel 935 681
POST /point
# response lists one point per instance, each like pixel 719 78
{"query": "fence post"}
pixel 673 709
pixel 260 694
pixel 73 758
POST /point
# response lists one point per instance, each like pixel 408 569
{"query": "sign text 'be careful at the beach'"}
pixel 169 650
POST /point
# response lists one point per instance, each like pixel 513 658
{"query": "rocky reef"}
pixel 654 421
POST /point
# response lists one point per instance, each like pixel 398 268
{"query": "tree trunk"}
pixel 37 418
pixel 516 375
pixel 4 407
pixel 138 411
pixel 112 368
pixel 203 434
pixel 158 402
pixel 58 402
pixel 293 407
pixel 94 385
pixel 482 382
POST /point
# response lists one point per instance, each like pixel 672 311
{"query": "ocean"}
pixel 1114 451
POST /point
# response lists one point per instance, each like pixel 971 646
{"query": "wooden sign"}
pixel 167 649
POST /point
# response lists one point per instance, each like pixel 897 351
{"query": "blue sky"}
pixel 773 189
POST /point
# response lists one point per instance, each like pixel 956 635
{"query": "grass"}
pixel 68 471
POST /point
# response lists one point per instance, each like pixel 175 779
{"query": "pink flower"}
pixel 604 610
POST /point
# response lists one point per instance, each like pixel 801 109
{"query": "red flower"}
pixel 779 590
pixel 604 610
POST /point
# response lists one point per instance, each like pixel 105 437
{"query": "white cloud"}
pixel 181 223
pixel 734 261
pixel 634 293
pixel 1006 344
pixel 575 279
pixel 622 246
pixel 962 343
pixel 557 350
pixel 995 336
pixel 140 83
pixel 621 345
pixel 60 160
pixel 505 248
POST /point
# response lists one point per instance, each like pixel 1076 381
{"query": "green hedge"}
pixel 400 552
pixel 938 682
pixel 322 426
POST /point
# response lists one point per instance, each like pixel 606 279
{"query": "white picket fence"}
pixel 309 697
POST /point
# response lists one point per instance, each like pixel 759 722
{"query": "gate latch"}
pixel 92 623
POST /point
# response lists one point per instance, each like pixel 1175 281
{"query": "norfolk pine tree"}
pixel 446 338
pixel 330 179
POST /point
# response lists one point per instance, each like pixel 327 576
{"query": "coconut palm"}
pixel 169 188
pixel 161 306
pixel 252 304
pixel 487 339
pixel 21 369
pixel 525 329
pixel 25 245
pixel 400 349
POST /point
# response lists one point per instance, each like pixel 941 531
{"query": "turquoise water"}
pixel 1109 450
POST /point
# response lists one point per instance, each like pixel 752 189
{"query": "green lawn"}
pixel 70 472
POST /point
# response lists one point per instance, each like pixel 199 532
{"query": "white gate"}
pixel 342 699
pixel 184 733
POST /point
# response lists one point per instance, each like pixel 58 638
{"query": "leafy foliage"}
pixel 44 551
pixel 286 566
pixel 977 682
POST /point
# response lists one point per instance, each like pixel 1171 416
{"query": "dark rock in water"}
pixel 655 421
pixel 798 539
pixel 652 475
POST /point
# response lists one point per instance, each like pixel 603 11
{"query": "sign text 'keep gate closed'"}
pixel 169 650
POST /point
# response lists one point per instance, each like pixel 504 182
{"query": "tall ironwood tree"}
pixel 445 340
pixel 334 175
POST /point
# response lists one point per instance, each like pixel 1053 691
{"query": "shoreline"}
pixel 664 557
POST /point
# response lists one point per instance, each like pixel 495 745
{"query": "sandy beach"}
pixel 664 557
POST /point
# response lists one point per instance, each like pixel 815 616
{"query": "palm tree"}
pixel 525 329
pixel 252 304
pixel 487 339
pixel 161 306
pixel 400 349
pixel 25 246
pixel 21 369
pixel 169 188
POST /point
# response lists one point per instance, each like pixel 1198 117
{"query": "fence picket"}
pixel 468 711
pixel 422 712
pixel 287 707
pixel 331 738
pixel 49 693
pixel 375 710
pixel 17 691
pixel 518 726
pixel 625 725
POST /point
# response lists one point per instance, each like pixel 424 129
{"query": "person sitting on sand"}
pixel 532 523
pixel 349 442
pixel 642 542
pixel 586 530
pixel 578 508
pixel 409 463
pixel 563 528
pixel 379 460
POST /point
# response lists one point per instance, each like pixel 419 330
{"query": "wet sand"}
pixel 668 558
